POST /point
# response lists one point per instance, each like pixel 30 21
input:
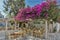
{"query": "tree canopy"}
pixel 11 7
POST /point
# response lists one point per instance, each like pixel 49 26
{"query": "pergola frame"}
pixel 6 21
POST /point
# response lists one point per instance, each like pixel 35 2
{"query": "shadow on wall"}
pixel 2 24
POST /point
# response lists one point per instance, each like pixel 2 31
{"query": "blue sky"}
pixel 1 6
pixel 28 2
pixel 32 2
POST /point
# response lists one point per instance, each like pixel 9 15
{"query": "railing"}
pixel 28 33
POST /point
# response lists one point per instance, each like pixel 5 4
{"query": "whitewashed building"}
pixel 1 22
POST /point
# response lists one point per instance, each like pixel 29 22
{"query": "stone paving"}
pixel 51 36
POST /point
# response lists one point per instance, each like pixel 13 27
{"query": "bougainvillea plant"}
pixel 42 10
pixel 53 10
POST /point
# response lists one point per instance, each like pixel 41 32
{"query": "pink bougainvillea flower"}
pixel 37 11
pixel 45 5
pixel 53 2
pixel 28 9
pixel 46 14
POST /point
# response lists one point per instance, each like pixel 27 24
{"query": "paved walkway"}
pixel 2 35
pixel 52 36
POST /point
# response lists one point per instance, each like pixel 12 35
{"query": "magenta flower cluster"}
pixel 40 10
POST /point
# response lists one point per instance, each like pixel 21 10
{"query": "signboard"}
pixel 32 2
